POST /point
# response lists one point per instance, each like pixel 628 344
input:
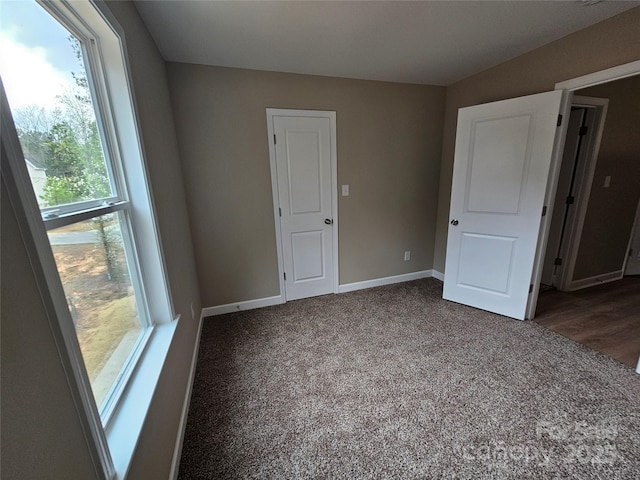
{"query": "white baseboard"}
pixel 377 282
pixel 438 275
pixel 595 280
pixel 349 287
pixel 246 305
pixel 177 453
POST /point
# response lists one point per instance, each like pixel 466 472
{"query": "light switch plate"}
pixel 345 190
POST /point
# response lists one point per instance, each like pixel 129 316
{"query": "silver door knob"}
pixel 454 222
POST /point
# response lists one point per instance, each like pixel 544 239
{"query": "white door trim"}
pixel 635 230
pixel 331 115
pixel 603 76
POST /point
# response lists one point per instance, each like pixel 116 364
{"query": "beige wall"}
pixel 41 435
pixel 611 211
pixel 389 137
pixel 612 42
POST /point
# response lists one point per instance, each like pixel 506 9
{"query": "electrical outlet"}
pixel 407 256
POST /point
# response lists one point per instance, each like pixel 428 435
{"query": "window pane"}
pixel 95 276
pixel 46 83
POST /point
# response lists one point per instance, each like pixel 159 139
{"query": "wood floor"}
pixel 605 318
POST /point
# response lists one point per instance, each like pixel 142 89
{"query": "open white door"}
pixel 500 176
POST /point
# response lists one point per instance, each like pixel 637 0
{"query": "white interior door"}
pixel 303 150
pixel 500 176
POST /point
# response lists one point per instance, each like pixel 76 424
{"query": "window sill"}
pixel 127 421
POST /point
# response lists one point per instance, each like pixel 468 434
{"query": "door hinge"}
pixel 559 120
pixel 583 130
pixel 274 139
pixel 531 288
pixel 285 276
pixel 280 211
pixel 570 200
pixel 557 261
pixel 544 211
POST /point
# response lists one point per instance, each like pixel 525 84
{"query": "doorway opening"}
pixel 586 291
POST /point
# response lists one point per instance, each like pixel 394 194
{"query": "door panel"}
pixel 502 159
pixel 486 262
pixel 503 162
pixel 305 176
pixel 308 261
pixel 303 163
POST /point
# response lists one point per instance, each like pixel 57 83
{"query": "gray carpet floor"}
pixel 394 382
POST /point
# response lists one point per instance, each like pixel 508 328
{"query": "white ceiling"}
pixel 428 42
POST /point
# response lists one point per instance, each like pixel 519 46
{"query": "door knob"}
pixel 328 221
pixel 454 222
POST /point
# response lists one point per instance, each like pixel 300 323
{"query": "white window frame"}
pixel 111 439
pixel 118 203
